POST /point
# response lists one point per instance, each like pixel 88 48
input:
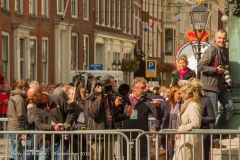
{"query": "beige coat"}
pixel 190 146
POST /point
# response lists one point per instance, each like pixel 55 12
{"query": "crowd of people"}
pixel 189 103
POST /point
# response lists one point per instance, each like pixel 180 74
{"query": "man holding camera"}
pixel 103 114
pixel 216 80
pixel 51 114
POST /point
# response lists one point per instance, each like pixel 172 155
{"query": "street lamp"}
pixel 119 65
pixel 114 65
pixel 200 16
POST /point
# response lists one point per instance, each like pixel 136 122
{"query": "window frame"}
pixel 75 58
pixel 45 60
pixel 87 10
pixel 30 58
pixel 60 12
pixel 20 8
pixel 6 6
pixel 86 53
pixel 97 11
pixel 75 8
pixel 33 7
pixel 45 5
pixel 6 68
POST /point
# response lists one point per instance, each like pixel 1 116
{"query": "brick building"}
pixel 40 41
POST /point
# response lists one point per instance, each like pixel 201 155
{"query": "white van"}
pixel 118 75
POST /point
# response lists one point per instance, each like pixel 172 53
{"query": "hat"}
pixel 156 88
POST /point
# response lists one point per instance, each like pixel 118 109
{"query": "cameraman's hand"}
pixel 220 70
pixel 118 101
pixel 99 90
pixel 57 127
pixel 128 111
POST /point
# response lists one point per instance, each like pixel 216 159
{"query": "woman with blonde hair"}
pixel 208 115
pixel 189 146
pixel 184 73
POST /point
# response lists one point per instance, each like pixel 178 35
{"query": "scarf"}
pixel 183 72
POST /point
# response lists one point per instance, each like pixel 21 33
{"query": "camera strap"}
pixel 224 57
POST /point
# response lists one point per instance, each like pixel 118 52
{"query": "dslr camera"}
pixel 66 128
pixel 102 81
pixel 227 76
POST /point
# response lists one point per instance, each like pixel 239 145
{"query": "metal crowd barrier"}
pixel 232 152
pixel 82 144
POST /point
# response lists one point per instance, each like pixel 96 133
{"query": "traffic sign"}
pixel 95 67
pixel 151 68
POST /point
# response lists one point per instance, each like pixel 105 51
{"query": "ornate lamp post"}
pixel 200 16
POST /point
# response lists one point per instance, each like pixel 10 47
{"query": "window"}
pixel 150 7
pixel 125 15
pixel 19 6
pixel 33 60
pixel 5 53
pixel 103 12
pixel 74 8
pixel 45 8
pixel 44 59
pixel 86 52
pixel 113 12
pixel 168 41
pixel 5 4
pixel 129 17
pixel 97 11
pixel 86 9
pixel 60 6
pixel 74 53
pixel 108 9
pixel 33 7
pixel 118 15
pixel 22 59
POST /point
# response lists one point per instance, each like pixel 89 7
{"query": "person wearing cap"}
pixel 156 94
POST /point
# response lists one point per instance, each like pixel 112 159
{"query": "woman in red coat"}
pixel 4 97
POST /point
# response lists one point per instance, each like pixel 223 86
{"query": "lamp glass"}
pixel 200 17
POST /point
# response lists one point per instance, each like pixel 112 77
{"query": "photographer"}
pixel 217 81
pixel 103 114
pixel 51 114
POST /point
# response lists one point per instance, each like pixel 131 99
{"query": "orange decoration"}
pixel 192 37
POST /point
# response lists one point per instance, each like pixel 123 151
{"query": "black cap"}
pixel 156 88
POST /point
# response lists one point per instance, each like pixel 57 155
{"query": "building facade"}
pixel 44 40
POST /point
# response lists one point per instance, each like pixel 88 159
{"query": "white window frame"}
pixel 33 7
pixel 31 61
pixel 118 20
pixel 74 64
pixel 23 59
pixel 45 8
pixel 86 52
pixel 129 17
pixel 113 22
pixel 102 12
pixel 97 11
pixel 151 7
pixel 6 6
pixel 5 60
pixel 108 12
pixel 45 79
pixel 74 4
pixel 87 8
pixel 125 16
pixel 60 10
pixel 20 9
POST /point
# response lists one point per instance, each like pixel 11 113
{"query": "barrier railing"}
pixel 231 152
pixel 81 144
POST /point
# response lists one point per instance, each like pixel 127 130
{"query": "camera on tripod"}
pixel 227 76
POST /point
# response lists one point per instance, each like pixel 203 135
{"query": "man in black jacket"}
pixel 141 106
pixel 51 114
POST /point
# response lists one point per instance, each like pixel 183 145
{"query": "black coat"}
pixel 208 115
pixel 187 76
pixel 144 108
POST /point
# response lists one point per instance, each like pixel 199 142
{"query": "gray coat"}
pixel 210 60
